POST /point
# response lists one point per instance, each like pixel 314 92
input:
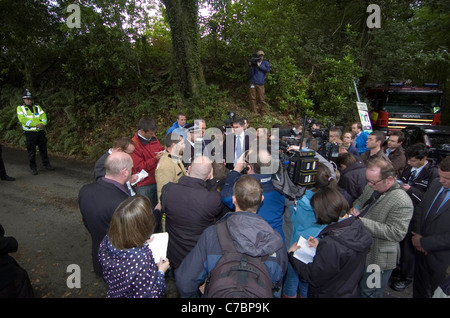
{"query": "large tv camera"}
pixel 301 166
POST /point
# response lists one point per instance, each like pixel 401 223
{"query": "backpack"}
pixel 237 275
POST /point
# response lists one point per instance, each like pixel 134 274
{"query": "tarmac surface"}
pixel 42 213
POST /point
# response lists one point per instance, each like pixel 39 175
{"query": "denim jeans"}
pixel 150 192
pixel 293 284
pixel 377 291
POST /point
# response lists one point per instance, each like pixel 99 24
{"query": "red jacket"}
pixel 144 157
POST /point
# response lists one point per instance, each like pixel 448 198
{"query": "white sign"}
pixel 364 116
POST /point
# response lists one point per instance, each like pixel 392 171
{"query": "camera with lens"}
pixel 289 137
pixel 331 151
pixel 254 59
pixel 301 166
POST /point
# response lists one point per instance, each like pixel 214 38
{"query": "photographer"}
pixel 258 70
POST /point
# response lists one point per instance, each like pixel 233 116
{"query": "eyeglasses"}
pixel 375 182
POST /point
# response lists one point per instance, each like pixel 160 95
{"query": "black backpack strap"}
pixel 225 240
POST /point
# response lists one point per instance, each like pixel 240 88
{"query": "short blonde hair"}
pixel 132 223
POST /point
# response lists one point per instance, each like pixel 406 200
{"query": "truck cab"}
pixel 398 105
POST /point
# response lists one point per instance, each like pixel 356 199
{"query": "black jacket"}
pixel 421 182
pixel 353 179
pixel 191 205
pixel 339 262
pixel 7 262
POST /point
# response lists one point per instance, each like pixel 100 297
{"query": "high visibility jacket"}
pixel 30 116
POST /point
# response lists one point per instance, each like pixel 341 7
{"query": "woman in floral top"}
pixel 129 269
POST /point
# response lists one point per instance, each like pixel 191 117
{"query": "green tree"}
pixel 187 69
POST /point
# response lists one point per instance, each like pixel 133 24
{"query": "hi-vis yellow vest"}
pixel 30 116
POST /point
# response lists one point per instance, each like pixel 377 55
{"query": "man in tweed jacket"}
pixel 386 210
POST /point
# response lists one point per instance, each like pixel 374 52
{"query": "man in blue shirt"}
pixel 361 138
pixel 180 123
pixel 258 70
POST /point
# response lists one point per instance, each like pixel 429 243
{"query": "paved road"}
pixel 42 213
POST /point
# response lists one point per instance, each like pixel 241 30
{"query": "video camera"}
pixel 254 59
pixel 229 121
pixel 330 151
pixel 289 137
pixel 301 166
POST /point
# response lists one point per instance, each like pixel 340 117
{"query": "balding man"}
pixel 99 200
pixel 191 205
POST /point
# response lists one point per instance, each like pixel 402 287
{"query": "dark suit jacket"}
pixel 230 144
pixel 421 182
pixel 97 202
pixel 436 235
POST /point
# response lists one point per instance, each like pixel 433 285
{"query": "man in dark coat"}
pixel 191 205
pixel 432 236
pixel 99 200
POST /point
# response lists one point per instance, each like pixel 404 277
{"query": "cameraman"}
pixel 258 70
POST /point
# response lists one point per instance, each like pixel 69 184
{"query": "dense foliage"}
pixel 125 62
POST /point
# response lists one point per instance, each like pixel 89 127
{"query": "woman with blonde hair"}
pixel 128 266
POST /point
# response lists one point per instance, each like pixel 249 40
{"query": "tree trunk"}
pixel 187 69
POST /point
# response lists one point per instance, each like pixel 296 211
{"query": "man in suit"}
pixel 99 200
pixel 236 143
pixel 386 211
pixel 417 176
pixel 431 235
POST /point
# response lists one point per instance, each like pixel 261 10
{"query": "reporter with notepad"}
pixel 341 249
pixel 129 268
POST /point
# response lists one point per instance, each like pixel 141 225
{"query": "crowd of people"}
pixel 374 211
pixel 370 214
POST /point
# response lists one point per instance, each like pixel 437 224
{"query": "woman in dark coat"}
pixel 341 249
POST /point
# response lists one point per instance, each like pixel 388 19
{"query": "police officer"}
pixel 33 120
